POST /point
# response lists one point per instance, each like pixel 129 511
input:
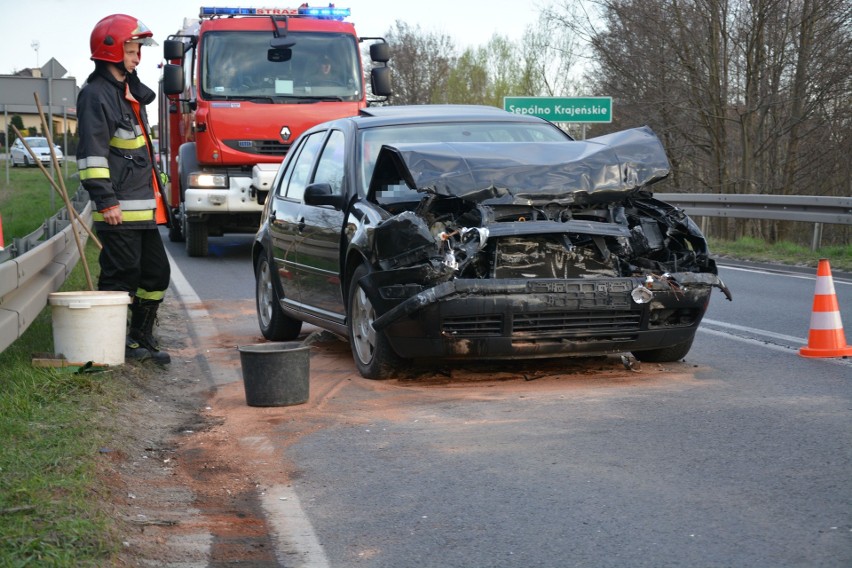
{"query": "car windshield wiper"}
pixel 290 99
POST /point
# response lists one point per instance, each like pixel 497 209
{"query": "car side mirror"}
pixel 321 194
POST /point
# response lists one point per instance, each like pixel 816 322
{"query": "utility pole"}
pixel 35 45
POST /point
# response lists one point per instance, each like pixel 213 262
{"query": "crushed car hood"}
pixel 600 169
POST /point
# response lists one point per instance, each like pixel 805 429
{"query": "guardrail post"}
pixel 817 240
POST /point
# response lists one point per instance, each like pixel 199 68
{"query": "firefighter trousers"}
pixel 134 261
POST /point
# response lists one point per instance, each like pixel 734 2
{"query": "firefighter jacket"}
pixel 113 155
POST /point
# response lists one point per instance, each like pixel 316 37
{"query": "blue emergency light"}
pixel 329 12
pixel 216 11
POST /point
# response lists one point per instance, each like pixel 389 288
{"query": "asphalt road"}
pixel 739 456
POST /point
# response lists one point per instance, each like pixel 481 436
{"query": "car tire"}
pixel 274 324
pixel 665 354
pixel 26 162
pixel 195 233
pixel 373 355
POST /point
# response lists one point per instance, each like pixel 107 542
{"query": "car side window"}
pixel 330 165
pixel 303 166
pixel 281 182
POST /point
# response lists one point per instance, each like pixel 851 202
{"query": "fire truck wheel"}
pixel 195 233
pixel 176 229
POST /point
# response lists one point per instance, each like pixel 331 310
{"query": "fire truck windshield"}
pixel 242 66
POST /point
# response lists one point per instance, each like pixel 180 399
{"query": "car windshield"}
pixel 37 142
pixel 372 139
pixel 242 66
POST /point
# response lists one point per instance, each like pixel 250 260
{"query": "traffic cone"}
pixel 826 338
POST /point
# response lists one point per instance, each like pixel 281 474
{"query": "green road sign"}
pixel 562 109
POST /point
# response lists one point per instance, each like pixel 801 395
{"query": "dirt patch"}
pixel 191 462
pixel 177 492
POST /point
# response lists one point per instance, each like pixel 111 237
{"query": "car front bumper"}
pixel 541 318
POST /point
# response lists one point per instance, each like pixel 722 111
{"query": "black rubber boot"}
pixel 133 350
pixel 143 316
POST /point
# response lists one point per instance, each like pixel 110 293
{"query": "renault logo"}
pixel 285 133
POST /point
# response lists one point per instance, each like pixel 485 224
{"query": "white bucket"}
pixel 90 326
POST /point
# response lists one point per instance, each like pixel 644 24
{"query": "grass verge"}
pixel 52 423
pixel 29 199
pixel 840 257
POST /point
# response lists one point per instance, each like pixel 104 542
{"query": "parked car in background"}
pixel 155 143
pixel 445 232
pixel 39 145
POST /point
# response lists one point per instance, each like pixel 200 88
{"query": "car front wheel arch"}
pixel 275 325
pixel 373 354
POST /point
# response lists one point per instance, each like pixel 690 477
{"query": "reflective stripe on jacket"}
pixel 112 156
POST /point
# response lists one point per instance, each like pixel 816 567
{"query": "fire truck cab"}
pixel 239 86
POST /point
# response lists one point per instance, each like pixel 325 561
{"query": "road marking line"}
pixel 296 542
pixel 837 280
pixel 790 350
pixel 298 545
pixel 771 334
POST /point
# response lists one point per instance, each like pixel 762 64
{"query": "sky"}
pixel 62 27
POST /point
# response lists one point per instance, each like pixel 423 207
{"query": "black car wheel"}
pixel 275 325
pixel 373 354
pixel 665 354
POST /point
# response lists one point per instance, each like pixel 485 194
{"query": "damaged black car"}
pixel 447 232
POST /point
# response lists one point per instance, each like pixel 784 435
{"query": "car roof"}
pixel 408 114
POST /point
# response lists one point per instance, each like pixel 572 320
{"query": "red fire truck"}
pixel 240 85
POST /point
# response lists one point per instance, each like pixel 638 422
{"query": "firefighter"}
pixel 116 166
pixel 323 74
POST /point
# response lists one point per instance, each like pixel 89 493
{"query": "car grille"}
pixel 262 147
pixel 545 324
pixel 474 326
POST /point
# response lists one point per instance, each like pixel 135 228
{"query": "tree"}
pixel 747 95
pixel 420 64
pixel 18 123
pixel 428 69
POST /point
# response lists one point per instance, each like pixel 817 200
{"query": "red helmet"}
pixel 111 33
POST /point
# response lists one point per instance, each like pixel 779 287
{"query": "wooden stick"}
pixel 53 183
pixel 63 193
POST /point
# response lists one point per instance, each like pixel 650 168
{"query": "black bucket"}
pixel 276 374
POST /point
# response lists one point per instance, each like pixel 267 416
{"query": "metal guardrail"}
pixel 807 208
pixel 34 266
pixel 816 209
pixel 39 264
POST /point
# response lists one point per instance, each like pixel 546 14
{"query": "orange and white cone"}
pixel 826 338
